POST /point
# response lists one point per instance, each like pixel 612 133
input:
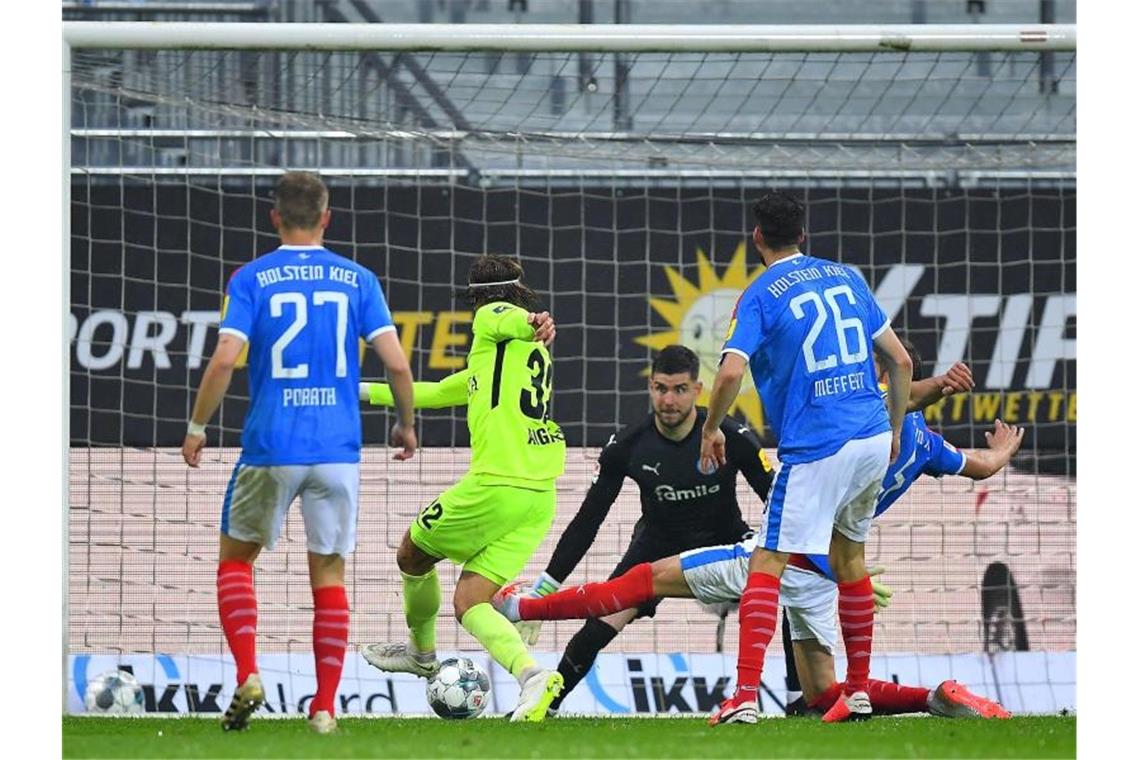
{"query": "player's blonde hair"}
pixel 300 198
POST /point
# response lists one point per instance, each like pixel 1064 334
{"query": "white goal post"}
pixel 617 38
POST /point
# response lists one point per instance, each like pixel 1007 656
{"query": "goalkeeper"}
pixel 493 519
pixel 718 574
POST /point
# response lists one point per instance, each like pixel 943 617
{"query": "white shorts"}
pixel 810 604
pixel 258 498
pixel 838 492
pixel 718 574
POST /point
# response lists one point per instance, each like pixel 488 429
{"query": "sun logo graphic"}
pixel 699 315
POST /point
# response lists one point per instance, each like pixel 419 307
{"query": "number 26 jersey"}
pixel 806 327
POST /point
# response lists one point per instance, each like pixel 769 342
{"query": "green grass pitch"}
pixel 573 737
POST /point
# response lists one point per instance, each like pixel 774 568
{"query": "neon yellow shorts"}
pixel 490 529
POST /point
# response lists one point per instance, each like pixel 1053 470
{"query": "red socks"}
pixel 758 606
pixel 330 639
pixel 593 600
pixel 825 700
pixel 857 620
pixel 887 698
pixel 237 609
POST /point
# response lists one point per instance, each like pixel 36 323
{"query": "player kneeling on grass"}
pixel 808 592
pixel 493 519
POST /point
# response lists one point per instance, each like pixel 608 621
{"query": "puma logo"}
pixel 652 469
pixel 742 429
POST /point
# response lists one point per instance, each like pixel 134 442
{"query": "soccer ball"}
pixel 461 689
pixel 115 692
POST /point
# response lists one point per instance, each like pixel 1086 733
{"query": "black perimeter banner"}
pixel 985 276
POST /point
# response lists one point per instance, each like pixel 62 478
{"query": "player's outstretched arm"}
pixel 893 356
pixel 215 382
pixel 387 345
pixel 450 391
pixel 1003 442
pixel 958 379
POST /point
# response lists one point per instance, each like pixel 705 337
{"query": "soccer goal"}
pixel 618 163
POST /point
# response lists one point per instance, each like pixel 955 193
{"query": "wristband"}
pixel 193 428
pixel 545 584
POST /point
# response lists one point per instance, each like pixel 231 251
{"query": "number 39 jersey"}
pixel 302 310
pixel 513 439
pixel 806 327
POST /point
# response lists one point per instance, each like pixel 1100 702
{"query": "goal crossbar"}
pixel 601 38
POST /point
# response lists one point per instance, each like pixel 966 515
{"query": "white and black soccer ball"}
pixel 115 692
pixel 461 689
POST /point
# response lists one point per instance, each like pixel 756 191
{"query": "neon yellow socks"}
pixel 421 607
pixel 499 637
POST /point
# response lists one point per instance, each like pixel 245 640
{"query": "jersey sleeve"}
pixel 502 321
pixel 877 321
pixel 375 318
pixel 450 391
pixel 237 307
pixel 945 458
pixel 745 453
pixel 746 328
pixel 582 530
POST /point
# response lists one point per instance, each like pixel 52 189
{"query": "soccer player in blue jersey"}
pixel 302 310
pixel 806 326
pixel 718 574
pixel 922 452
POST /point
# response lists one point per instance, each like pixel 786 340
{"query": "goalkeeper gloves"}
pixel 881 590
pixel 529 629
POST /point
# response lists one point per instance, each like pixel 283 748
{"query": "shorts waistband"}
pixel 803 563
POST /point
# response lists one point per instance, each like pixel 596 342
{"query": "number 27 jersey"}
pixel 806 327
pixel 302 310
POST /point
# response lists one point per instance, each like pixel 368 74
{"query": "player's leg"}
pixel 253 510
pixel 801 508
pixel 237 602
pixel 329 499
pixel 452 526
pixel 522 518
pixel 421 596
pixel 809 602
pixel 330 635
pixel 642 583
pixel 596 633
pixel 862 464
pixel 795 704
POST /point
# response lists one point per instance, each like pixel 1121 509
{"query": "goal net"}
pixel 622 179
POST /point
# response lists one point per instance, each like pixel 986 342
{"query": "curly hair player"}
pixel 493 519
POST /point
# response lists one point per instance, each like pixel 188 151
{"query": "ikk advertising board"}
pixel 618 684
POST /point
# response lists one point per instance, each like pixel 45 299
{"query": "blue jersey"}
pixel 806 327
pixel 921 452
pixel 303 310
